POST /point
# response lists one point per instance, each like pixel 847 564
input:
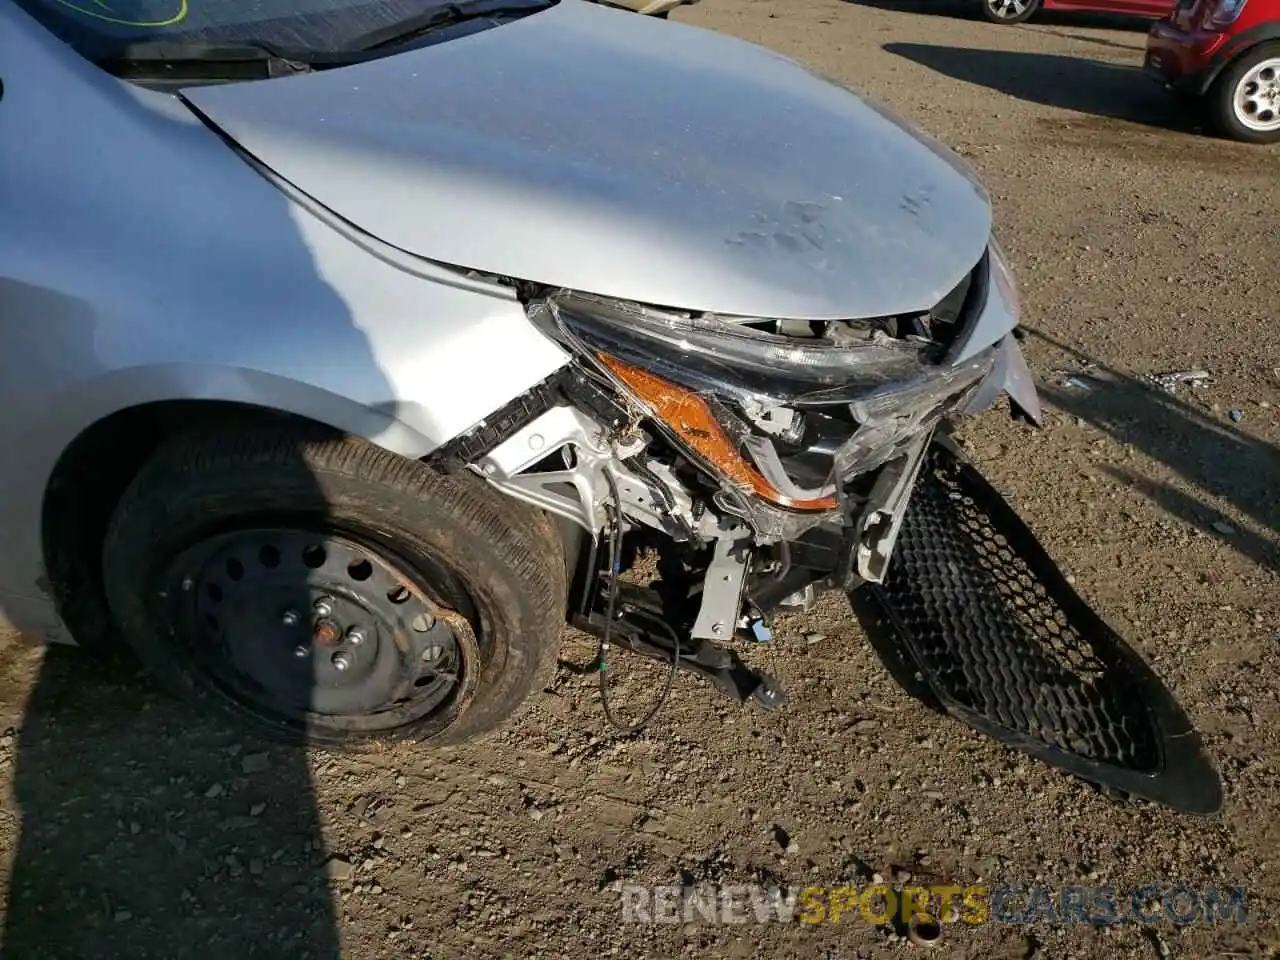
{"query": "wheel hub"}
pixel 314 624
pixel 1257 97
pixel 1008 9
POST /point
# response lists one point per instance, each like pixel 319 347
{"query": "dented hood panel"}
pixel 593 149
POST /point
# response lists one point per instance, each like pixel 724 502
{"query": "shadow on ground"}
pixel 1115 90
pixel 1210 456
pixel 149 830
pixel 1138 44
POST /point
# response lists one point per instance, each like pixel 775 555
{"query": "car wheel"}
pixel 1246 96
pixel 1009 11
pixel 319 588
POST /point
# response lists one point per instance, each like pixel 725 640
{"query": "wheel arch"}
pixel 93 471
pixel 1235 48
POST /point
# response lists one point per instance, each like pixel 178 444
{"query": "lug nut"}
pixel 323 607
pixel 355 636
pixel 326 633
pixel 300 651
pixel 340 661
pixel 289 618
pixel 432 653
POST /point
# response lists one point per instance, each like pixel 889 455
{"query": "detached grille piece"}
pixel 1008 646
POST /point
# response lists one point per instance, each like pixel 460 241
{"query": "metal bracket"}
pixel 579 490
pixel 722 589
pixel 575 492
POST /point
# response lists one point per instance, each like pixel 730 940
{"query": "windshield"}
pixel 104 28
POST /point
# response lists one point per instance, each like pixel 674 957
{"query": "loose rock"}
pixel 339 869
pixel 255 763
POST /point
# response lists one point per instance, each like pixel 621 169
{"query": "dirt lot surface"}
pixel 135 828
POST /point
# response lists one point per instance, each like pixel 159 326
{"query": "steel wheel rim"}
pixel 1256 100
pixel 322 632
pixel 1008 9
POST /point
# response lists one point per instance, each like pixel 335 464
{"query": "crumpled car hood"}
pixel 589 148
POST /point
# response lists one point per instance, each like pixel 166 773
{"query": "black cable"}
pixel 602 649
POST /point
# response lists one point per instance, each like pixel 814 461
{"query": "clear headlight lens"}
pixel 735 357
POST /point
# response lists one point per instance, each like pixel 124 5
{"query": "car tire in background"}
pixel 1009 11
pixel 1244 101
pixel 323 590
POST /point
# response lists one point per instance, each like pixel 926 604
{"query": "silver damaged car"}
pixel 353 347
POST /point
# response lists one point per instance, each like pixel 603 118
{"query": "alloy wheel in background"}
pixel 1245 100
pixel 1257 97
pixel 1009 11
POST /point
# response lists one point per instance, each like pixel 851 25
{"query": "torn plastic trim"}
pixel 878 526
pixel 1011 376
pixel 1001 308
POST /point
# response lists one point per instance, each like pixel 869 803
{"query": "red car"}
pixel 1225 53
pixel 1019 11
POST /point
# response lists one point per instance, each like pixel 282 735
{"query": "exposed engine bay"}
pixel 771 456
pixel 766 460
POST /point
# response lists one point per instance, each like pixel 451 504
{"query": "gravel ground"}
pixel 135 828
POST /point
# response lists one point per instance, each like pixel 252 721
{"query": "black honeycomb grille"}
pixel 1007 646
pixel 990 638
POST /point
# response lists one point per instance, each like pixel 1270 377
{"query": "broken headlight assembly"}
pixel 783 414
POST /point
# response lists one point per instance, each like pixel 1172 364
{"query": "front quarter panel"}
pixel 141 259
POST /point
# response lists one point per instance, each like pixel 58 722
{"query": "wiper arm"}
pixel 179 54
pixel 181 57
pixel 412 27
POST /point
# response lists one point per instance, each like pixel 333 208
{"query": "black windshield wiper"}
pixel 180 56
pixel 413 27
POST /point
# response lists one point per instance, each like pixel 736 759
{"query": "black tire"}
pixel 1222 107
pixel 1003 11
pixel 457 542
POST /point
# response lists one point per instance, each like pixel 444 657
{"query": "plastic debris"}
pixel 1169 380
pixel 1236 416
pixel 1079 383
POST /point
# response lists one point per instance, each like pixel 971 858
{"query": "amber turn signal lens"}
pixel 692 420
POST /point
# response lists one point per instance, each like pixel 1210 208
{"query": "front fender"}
pixel 143 260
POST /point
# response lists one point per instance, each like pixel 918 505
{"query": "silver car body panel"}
pixel 141 260
pixel 587 148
